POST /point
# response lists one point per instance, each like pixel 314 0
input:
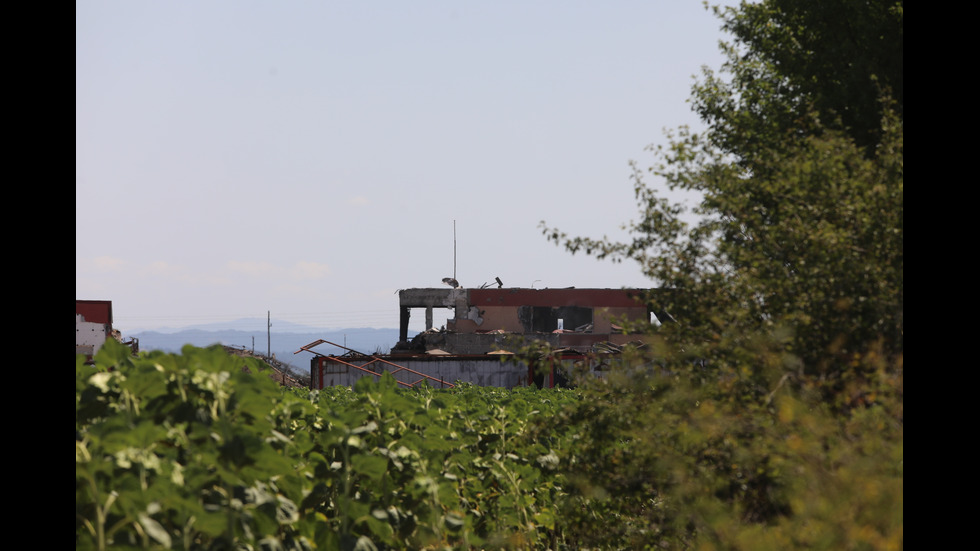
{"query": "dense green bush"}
pixel 676 460
pixel 203 450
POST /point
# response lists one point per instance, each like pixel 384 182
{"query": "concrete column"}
pixel 461 306
pixel 406 313
pixel 428 318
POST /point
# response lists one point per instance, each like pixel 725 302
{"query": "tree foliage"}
pixel 790 59
pixel 798 233
pixel 778 401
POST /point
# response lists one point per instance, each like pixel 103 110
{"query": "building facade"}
pixel 584 326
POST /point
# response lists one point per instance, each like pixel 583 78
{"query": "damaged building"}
pixel 569 318
pixel 582 324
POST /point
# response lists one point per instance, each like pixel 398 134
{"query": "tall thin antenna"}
pixel 454 249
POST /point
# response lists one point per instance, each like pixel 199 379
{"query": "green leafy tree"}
pixel 790 59
pixel 777 398
pixel 799 230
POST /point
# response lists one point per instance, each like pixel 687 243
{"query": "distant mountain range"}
pixel 284 340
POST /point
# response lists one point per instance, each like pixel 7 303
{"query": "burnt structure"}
pixel 570 318
pixel 581 326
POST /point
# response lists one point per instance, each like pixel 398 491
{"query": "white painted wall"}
pixel 89 337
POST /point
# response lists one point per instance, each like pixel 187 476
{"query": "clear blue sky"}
pixel 307 158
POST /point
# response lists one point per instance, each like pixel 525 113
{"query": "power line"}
pixel 363 318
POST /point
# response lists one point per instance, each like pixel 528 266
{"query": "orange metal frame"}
pixel 374 359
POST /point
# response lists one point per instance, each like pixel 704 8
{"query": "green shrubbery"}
pixel 204 451
pixel 770 416
pixel 680 461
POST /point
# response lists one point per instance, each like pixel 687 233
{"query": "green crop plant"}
pixel 203 450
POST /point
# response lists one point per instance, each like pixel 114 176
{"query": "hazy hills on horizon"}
pixel 242 324
pixel 282 338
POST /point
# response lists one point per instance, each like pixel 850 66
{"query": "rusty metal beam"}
pixel 374 359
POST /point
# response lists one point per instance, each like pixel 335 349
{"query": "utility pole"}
pixel 268 332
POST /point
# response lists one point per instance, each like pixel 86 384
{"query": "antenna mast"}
pixel 454 249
